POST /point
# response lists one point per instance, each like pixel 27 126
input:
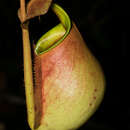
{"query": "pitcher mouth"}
pixel 56 35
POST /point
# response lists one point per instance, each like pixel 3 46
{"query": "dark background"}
pixel 104 26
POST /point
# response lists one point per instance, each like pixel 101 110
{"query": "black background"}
pixel 104 26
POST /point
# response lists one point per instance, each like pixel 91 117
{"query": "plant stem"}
pixel 28 75
pixel 23 10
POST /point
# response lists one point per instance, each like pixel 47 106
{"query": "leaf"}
pixel 35 8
